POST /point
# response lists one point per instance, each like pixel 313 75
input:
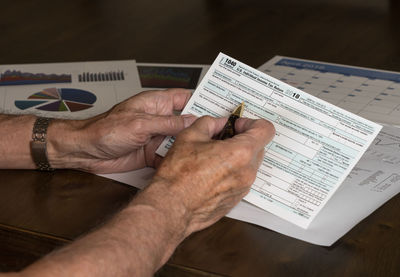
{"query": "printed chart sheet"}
pixel 162 76
pixel 66 90
pixel 316 143
pixel 370 93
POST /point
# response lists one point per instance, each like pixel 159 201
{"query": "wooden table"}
pixel 41 211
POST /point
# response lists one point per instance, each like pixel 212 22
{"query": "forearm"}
pixel 65 141
pixel 137 242
pixel 16 134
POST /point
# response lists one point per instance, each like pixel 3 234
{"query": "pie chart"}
pixel 58 100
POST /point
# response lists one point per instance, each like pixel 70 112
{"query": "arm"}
pixel 134 243
pixel 197 183
pixel 16 134
pixel 121 139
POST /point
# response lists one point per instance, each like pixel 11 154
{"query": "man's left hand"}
pixel 124 138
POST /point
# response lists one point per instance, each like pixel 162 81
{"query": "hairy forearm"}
pixel 16 134
pixel 65 142
pixel 136 242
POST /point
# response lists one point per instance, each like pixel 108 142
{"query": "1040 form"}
pixel 316 143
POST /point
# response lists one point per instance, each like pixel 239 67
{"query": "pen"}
pixel 229 129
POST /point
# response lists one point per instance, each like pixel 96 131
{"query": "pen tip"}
pixel 239 110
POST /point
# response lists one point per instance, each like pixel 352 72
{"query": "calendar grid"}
pixel 373 94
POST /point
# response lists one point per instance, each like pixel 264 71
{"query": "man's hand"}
pixel 122 139
pixel 197 183
pixel 206 176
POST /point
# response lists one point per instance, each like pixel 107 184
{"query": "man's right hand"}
pixel 197 183
pixel 209 177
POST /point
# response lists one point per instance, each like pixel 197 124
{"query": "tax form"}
pixel 373 181
pixel 316 143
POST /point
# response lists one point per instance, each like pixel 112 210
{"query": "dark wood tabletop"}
pixel 42 211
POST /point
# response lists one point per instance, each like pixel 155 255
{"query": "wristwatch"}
pixel 39 144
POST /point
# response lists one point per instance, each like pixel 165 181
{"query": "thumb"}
pixel 169 125
pixel 257 132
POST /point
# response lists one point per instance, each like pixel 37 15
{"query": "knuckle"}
pixel 207 118
pixel 172 123
pixel 138 128
pixel 244 153
pixel 242 156
pixel 247 176
pixel 186 135
pixel 138 124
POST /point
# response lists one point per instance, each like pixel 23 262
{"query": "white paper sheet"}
pixel 75 90
pixel 316 143
pixel 137 178
pixel 373 181
pixel 370 93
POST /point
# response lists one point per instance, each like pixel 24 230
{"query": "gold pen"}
pixel 229 129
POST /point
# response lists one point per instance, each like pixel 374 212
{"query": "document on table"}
pixel 76 90
pixel 162 75
pixel 370 93
pixel 316 143
pixel 373 181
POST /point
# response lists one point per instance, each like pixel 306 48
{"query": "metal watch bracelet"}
pixel 39 144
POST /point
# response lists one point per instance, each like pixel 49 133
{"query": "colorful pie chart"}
pixel 58 100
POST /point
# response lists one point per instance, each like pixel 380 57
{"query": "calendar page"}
pixel 370 93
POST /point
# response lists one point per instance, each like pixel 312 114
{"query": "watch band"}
pixel 39 144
